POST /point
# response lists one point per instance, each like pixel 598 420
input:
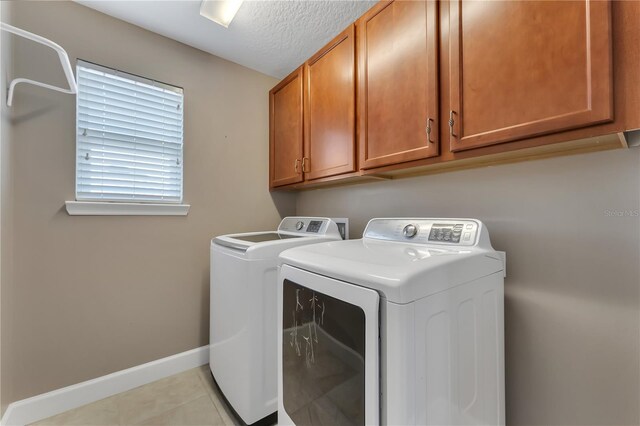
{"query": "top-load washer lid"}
pixel 405 259
pixel 265 236
pixel 291 232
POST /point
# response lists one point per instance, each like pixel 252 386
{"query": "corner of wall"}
pixel 6 193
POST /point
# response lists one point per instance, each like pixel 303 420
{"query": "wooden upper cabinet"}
pixel 519 69
pixel 286 131
pixel 330 109
pixel 398 83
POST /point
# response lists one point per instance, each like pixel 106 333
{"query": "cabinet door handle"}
pixel 296 165
pixel 451 123
pixel 304 165
pixel 429 120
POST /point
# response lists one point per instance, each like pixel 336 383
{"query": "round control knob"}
pixel 299 225
pixel 410 231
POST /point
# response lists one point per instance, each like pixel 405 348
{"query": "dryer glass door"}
pixel 329 351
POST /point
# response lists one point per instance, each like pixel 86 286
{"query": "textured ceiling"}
pixel 272 37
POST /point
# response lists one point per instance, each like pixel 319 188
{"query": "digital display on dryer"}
pixel 446 233
pixel 314 226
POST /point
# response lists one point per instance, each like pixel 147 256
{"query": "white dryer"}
pixel 402 327
pixel 243 304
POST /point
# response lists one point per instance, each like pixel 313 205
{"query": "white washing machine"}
pixel 243 329
pixel 402 327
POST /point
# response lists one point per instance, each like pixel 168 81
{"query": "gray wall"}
pixel 94 295
pixel 573 277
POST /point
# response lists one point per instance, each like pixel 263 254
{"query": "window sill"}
pixel 93 208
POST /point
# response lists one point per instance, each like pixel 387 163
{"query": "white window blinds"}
pixel 129 137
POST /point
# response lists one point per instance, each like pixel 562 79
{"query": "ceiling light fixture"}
pixel 220 11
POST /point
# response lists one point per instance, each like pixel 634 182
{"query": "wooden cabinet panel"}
pixel 330 109
pixel 524 68
pixel 535 74
pixel 286 131
pixel 397 83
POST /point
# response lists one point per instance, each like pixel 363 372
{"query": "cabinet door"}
pixel 398 83
pixel 286 131
pixel 524 68
pixel 330 112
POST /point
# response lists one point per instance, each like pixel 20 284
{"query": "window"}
pixel 129 138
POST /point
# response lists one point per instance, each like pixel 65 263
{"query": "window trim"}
pixel 126 208
pixel 102 208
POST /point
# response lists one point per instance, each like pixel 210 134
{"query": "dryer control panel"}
pixel 454 232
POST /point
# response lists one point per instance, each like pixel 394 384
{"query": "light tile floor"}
pixel 189 398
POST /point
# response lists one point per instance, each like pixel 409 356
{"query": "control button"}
pixel 410 231
pixel 467 236
pixel 299 225
pixel 469 226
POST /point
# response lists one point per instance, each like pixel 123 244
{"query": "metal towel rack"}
pixel 62 54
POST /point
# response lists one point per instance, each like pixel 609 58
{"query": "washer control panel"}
pixel 314 226
pixel 305 225
pixel 456 232
pixel 410 230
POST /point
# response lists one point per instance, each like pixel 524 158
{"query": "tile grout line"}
pixel 224 415
pixel 209 395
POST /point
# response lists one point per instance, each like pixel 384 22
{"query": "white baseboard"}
pixel 49 404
